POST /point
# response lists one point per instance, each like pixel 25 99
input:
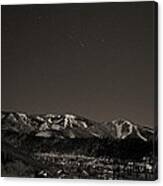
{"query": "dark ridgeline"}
pixel 61 145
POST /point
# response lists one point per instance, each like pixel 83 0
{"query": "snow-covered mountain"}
pixel 76 126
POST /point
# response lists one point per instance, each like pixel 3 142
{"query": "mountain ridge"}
pixel 74 134
pixel 47 124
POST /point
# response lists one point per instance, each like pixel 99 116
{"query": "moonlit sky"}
pixel 95 60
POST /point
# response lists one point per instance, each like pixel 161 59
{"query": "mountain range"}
pixel 70 133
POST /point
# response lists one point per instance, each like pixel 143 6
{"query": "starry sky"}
pixel 95 60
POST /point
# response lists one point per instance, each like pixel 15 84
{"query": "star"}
pixel 82 44
pixel 38 19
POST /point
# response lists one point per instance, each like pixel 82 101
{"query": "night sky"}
pixel 95 60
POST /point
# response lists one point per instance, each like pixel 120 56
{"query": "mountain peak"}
pixel 126 128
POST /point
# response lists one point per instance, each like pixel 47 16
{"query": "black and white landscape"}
pixel 79 90
pixel 71 146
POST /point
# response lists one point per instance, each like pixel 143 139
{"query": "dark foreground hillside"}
pixel 70 146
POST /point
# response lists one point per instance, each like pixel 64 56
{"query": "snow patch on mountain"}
pixel 72 121
pixel 125 128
